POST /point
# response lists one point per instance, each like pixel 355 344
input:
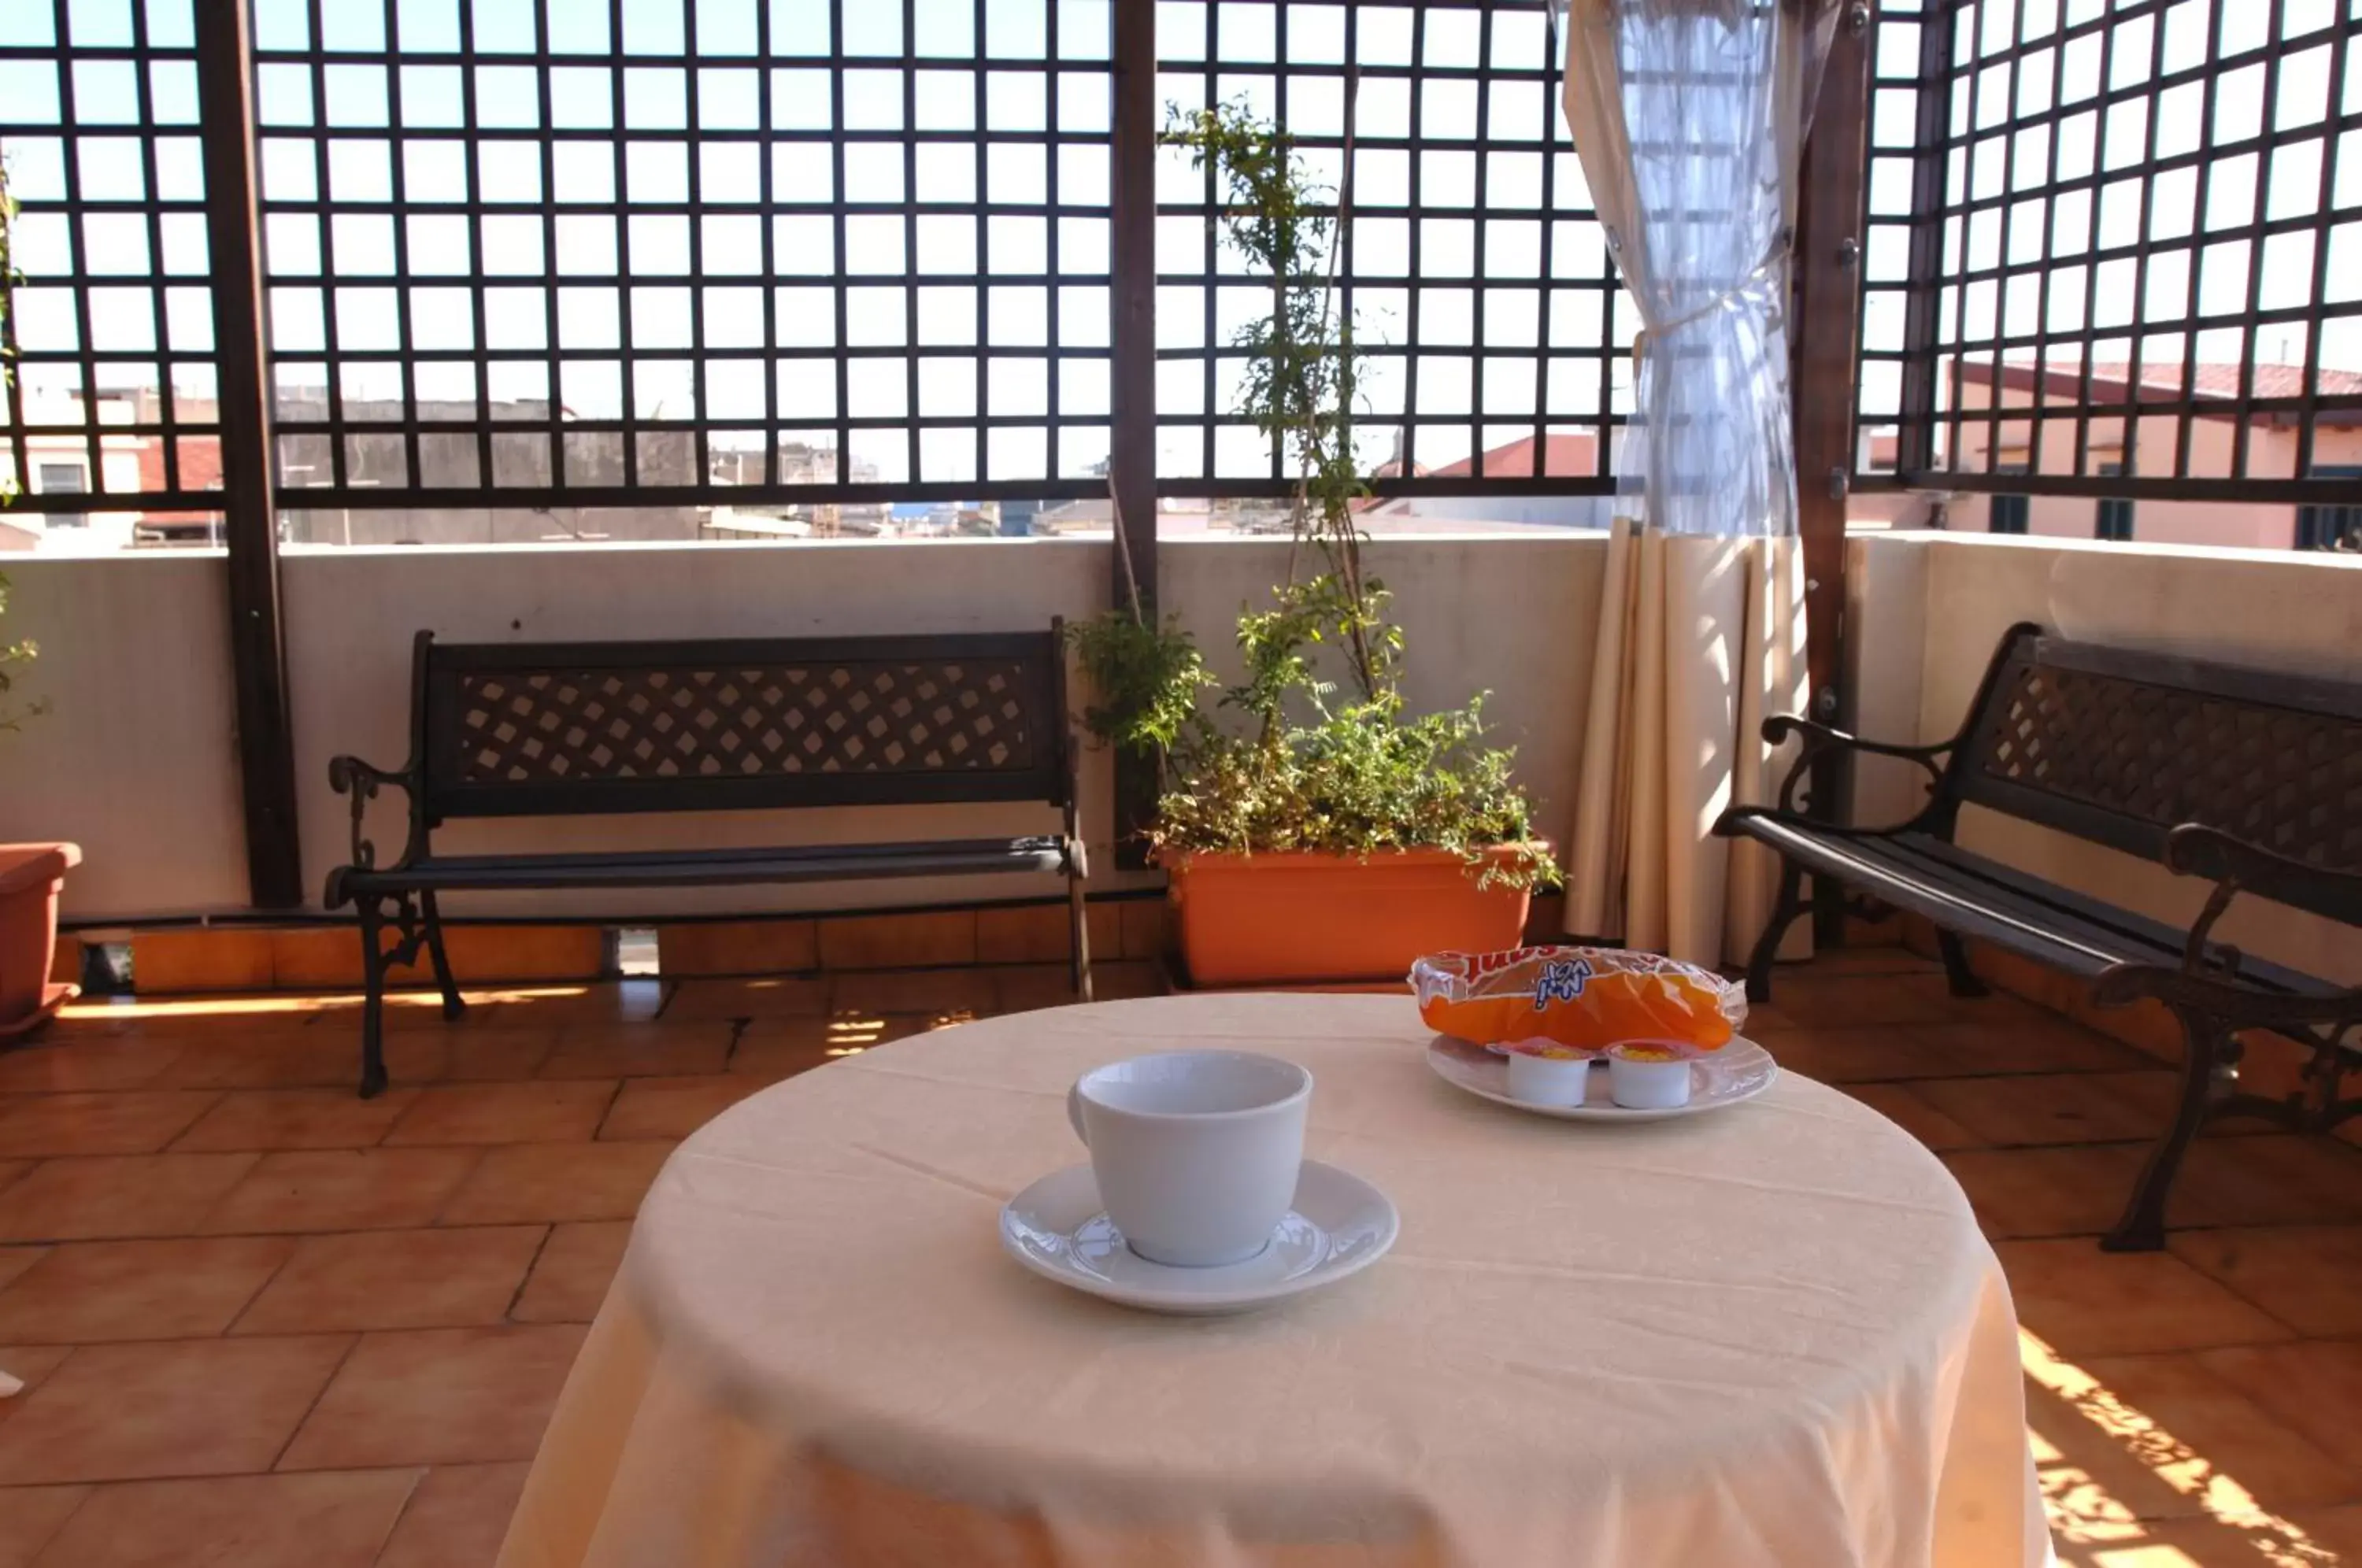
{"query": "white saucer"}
pixel 1739 1071
pixel 1339 1225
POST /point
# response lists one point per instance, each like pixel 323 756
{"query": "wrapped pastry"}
pixel 1586 997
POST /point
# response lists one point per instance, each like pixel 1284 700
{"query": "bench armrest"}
pixel 2210 969
pixel 2194 849
pixel 360 780
pixel 1819 738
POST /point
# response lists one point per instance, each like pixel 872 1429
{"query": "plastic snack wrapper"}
pixel 1579 998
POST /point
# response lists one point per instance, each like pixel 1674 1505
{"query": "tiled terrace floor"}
pixel 264 1324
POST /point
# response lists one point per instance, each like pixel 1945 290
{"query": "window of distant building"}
pixel 2113 516
pixel 2330 527
pixel 64 479
pixel 2006 513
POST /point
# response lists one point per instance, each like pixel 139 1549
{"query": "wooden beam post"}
pixel 1133 455
pixel 250 513
pixel 1825 329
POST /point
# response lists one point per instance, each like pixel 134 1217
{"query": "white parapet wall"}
pixel 138 758
pixel 135 754
pixel 1926 610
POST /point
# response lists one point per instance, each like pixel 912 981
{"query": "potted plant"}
pixel 31 875
pixel 1313 828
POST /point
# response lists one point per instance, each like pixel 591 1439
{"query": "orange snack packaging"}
pixel 1584 997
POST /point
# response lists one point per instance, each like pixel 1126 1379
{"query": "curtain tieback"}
pixel 1775 257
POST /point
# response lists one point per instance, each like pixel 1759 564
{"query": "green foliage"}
pixel 1149 677
pixel 1293 768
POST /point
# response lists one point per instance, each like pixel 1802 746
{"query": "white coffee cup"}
pixel 1196 1151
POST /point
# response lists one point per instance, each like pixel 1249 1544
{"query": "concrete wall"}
pixel 2298 613
pixel 138 764
pixel 136 758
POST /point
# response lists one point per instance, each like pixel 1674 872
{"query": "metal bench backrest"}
pixel 2120 748
pixel 532 729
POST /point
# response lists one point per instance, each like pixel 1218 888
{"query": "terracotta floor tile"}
pixel 456 1517
pixel 2309 1277
pixel 2051 1108
pixel 30 1517
pixel 494 1055
pixel 89 1292
pixel 362 1189
pixel 2021 1038
pixel 395 1279
pixel 772 1049
pixel 296 1119
pixel 300 1059
pixel 460 1052
pixel 436 1396
pixel 172 1408
pixel 1843 1001
pixel 532 1183
pixel 772 996
pixel 674 1107
pixel 639 1049
pixel 1873 1053
pixel 14 1261
pixel 2051 1192
pixel 130 1121
pixel 2085 1302
pixel 30 1365
pixel 2228 1433
pixel 188 1017
pixel 52 1066
pixel 124 1195
pixel 914 990
pixel 2314 1386
pixel 2335 1530
pixel 11 1170
pixel 505 1113
pixel 335 1519
pixel 570 1278
pixel 1899 1105
pixel 2282 1179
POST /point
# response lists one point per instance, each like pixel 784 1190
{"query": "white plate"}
pixel 1739 1071
pixel 1339 1225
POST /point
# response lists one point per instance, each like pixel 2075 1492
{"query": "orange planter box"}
pixel 1300 918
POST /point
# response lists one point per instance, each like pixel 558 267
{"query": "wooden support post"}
pixel 1825 328
pixel 1132 463
pixel 250 514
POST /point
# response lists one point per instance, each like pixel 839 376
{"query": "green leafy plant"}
pixel 1283 762
pixel 21 651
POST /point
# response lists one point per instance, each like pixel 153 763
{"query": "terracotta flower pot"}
pixel 31 876
pixel 1303 919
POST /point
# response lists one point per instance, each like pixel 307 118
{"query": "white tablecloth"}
pixel 1772 1334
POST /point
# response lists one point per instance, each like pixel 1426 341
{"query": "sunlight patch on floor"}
pixel 2083 1514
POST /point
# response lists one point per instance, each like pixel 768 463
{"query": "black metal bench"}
pixel 562 729
pixel 2251 781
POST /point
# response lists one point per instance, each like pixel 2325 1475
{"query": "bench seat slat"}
pixel 2020 913
pixel 705 868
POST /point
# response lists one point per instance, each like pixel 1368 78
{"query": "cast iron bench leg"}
pixel 1078 920
pixel 2208 1057
pixel 1767 946
pixel 432 919
pixel 373 999
pixel 1957 970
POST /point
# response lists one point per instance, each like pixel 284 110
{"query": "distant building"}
pixel 2215 427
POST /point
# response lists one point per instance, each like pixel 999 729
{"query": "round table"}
pixel 1772 1334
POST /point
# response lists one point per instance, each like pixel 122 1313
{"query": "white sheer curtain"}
pixel 1689 116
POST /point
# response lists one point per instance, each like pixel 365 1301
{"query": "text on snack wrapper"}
pixel 1562 980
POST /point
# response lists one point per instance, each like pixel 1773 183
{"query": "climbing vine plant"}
pixel 1316 768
